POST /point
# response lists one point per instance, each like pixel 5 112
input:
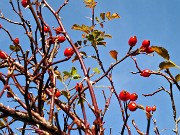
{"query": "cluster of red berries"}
pixel 145 47
pixel 125 96
pixel 149 109
pixel 68 52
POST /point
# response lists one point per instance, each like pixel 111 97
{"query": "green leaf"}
pixel 90 37
pixel 177 78
pixel 66 75
pixel 161 51
pixel 96 70
pixel 66 93
pixel 14 48
pixel 113 54
pixel 73 71
pixel 166 65
pixel 76 76
pixel 102 15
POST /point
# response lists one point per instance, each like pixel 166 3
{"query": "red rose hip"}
pixel 146 43
pixel 124 95
pixel 132 106
pixel 68 52
pixel 3 55
pixel 132 41
pixel 145 73
pixel 61 39
pixel 133 97
pixel 24 3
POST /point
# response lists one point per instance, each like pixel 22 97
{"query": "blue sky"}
pixel 156 20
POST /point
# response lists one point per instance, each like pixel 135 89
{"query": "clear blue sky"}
pixel 156 20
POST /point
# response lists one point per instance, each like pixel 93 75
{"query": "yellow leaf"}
pixel 115 15
pixel 161 51
pixel 102 15
pixel 177 78
pixel 108 15
pixel 166 65
pixel 113 54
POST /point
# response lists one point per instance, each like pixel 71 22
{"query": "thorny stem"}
pixel 94 102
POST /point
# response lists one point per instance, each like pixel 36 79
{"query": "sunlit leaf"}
pixel 115 15
pixel 76 76
pixel 102 15
pixel 113 54
pixel 2 123
pixel 107 36
pixel 83 28
pixel 90 3
pixel 177 78
pixel 58 75
pixel 96 70
pixel 73 71
pixel 66 75
pixel 66 93
pixel 76 27
pixel 166 65
pixel 161 51
pixel 108 15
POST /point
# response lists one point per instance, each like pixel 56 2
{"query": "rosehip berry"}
pixel 124 95
pixel 148 109
pixel 145 73
pixel 153 108
pixel 58 93
pixel 61 39
pixel 58 30
pixel 132 106
pixel 24 3
pixel 68 52
pixel 16 41
pixel 149 50
pixel 79 86
pixel 146 43
pixel 132 41
pixel 3 55
pixel 133 97
pixel 46 29
pixel 0 26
